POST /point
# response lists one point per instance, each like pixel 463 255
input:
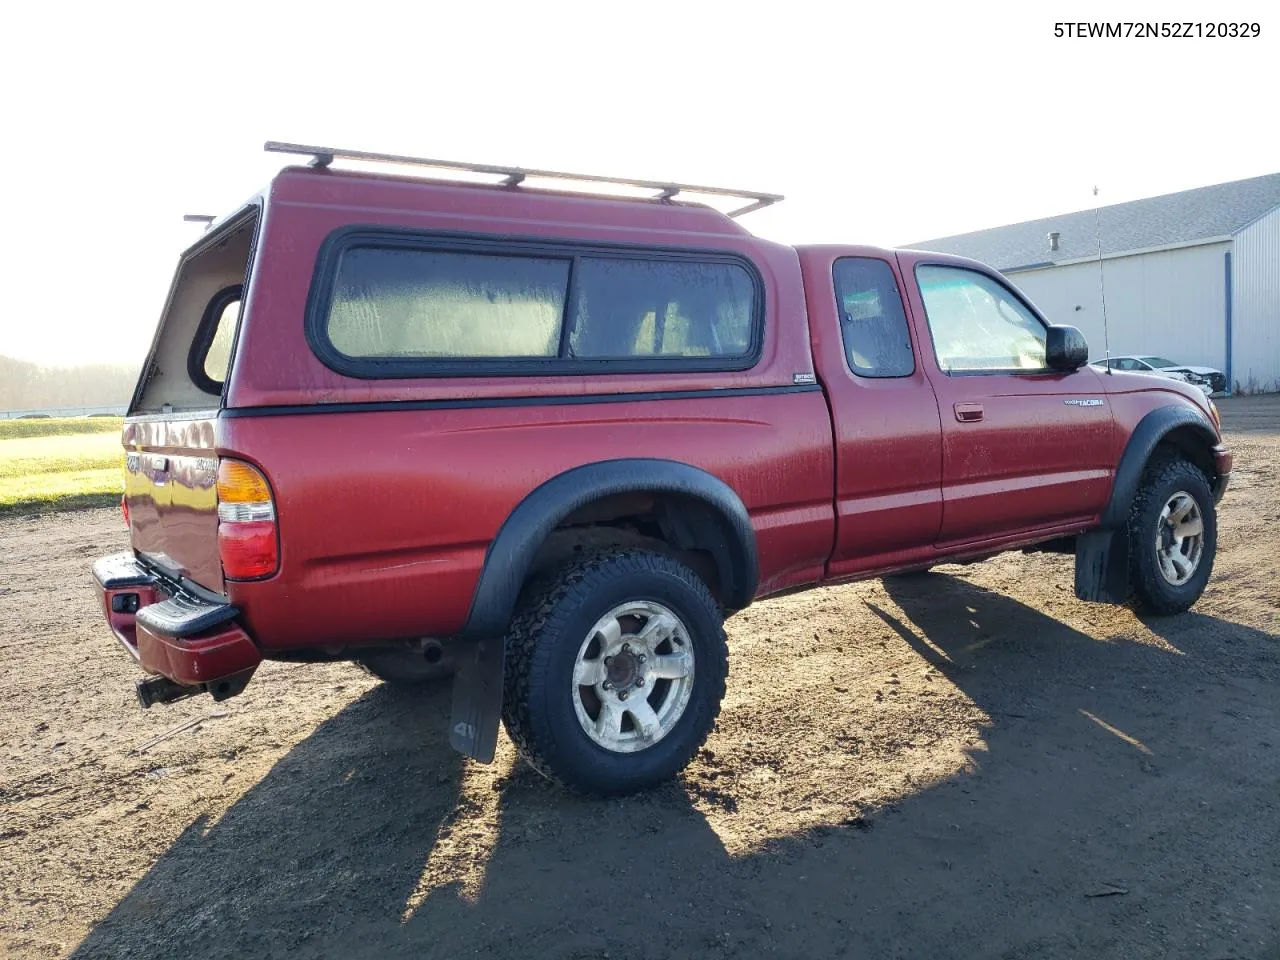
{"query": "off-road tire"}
pixel 555 615
pixel 1152 592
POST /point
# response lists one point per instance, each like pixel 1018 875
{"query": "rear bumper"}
pixel 193 642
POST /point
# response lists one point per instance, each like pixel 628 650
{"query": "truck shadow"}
pixel 1087 783
pixel 337 829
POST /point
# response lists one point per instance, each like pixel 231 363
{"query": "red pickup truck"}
pixel 546 442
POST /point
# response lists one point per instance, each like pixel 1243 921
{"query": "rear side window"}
pixel 428 303
pixel 873 325
pixel 661 308
pixel 410 306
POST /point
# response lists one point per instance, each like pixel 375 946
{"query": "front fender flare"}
pixel 1146 436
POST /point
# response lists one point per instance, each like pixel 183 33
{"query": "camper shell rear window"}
pixel 194 346
pixel 404 304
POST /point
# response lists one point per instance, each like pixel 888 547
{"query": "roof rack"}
pixel 512 176
pixel 205 218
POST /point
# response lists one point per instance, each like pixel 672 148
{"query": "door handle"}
pixel 969 412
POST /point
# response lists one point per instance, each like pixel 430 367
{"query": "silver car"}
pixel 1209 380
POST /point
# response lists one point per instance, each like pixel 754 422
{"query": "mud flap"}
pixel 1102 566
pixel 477 699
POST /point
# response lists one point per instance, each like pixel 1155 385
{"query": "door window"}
pixel 873 324
pixel 978 325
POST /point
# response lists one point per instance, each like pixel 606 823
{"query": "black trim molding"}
pixel 555 400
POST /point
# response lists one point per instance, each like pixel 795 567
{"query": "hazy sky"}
pixel 882 123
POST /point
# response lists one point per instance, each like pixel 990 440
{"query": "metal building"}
pixel 1192 276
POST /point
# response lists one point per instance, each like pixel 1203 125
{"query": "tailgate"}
pixel 171 472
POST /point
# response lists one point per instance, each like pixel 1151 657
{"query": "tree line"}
pixel 25 386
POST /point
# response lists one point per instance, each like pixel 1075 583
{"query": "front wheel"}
pixel 1173 537
pixel 615 671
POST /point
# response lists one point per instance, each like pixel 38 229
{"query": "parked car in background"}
pixel 1208 379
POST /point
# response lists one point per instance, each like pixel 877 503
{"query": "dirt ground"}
pixel 968 764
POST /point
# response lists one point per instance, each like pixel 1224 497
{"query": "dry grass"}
pixel 59 471
pixel 59 426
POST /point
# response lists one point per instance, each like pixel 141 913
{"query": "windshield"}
pixel 1159 362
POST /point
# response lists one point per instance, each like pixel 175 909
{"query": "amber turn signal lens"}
pixel 247 541
pixel 238 482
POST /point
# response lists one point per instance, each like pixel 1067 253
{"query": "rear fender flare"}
pixel 511 554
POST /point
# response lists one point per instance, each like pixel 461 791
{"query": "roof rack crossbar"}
pixel 324 157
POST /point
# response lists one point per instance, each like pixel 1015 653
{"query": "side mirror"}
pixel 1065 348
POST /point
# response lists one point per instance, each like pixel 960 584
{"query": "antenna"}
pixel 1102 283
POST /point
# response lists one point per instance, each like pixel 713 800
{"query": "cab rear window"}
pixel 419 306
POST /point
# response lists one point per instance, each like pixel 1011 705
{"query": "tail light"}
pixel 247 541
pixel 124 508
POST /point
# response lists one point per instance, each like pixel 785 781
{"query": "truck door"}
pixel 1025 448
pixel 888 442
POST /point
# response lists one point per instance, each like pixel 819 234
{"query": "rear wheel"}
pixel 1173 537
pixel 615 671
